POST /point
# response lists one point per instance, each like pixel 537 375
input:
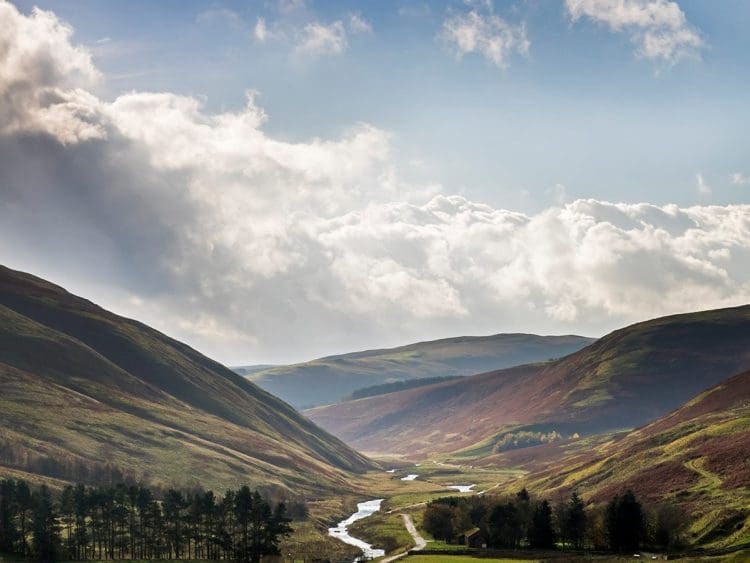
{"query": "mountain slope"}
pixel 88 395
pixel 331 379
pixel 623 380
pixel 698 456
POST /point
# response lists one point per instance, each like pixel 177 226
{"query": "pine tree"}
pixel 243 512
pixel 46 543
pixel 144 499
pixel 8 532
pixel 542 534
pixel 173 506
pixel 67 512
pixel 575 521
pixel 23 508
pixel 81 509
pixel 208 507
pixel 505 526
pixel 625 523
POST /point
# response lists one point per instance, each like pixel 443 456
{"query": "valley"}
pixel 332 379
pixel 653 408
pixel 623 380
pixel 301 281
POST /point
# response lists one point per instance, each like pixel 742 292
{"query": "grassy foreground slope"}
pixel 87 395
pixel 698 457
pixel 624 380
pixel 331 379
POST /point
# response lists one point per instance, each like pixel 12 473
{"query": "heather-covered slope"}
pixel 623 380
pixel 88 395
pixel 697 457
pixel 331 379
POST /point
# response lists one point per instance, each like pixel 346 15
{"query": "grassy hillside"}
pixel 623 380
pixel 88 395
pixel 328 380
pixel 696 457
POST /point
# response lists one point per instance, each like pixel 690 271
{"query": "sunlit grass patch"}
pixel 384 531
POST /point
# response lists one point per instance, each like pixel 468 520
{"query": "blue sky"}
pixel 581 109
pixel 400 172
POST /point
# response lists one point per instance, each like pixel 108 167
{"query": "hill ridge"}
pixel 624 379
pixel 152 388
pixel 330 379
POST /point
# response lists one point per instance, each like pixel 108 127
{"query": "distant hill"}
pixel 90 396
pixel 250 370
pixel 331 379
pixel 697 456
pixel 623 380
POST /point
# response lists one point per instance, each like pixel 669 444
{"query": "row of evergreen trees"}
pixel 623 525
pixel 130 522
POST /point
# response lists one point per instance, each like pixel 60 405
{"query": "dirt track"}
pixel 419 541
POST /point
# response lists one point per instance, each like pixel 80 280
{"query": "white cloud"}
pixel 317 38
pixel 481 31
pixel 321 39
pixel 261 31
pixel 739 179
pixel 587 258
pixel 252 247
pixel 43 78
pixel 313 38
pixel 357 24
pixel 658 28
pixel 703 188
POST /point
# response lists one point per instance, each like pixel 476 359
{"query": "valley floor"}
pixel 398 527
pixel 406 502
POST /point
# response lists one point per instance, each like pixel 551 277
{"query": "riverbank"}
pixel 342 533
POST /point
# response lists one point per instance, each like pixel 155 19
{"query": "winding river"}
pixel 341 532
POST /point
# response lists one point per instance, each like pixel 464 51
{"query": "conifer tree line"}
pixel 622 526
pixel 130 522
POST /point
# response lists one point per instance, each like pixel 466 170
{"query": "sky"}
pixel 275 181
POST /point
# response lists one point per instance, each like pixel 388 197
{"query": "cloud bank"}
pixel 255 248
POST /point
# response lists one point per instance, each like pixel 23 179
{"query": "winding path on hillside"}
pixel 407 507
pixel 495 486
pixel 711 479
pixel 419 541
